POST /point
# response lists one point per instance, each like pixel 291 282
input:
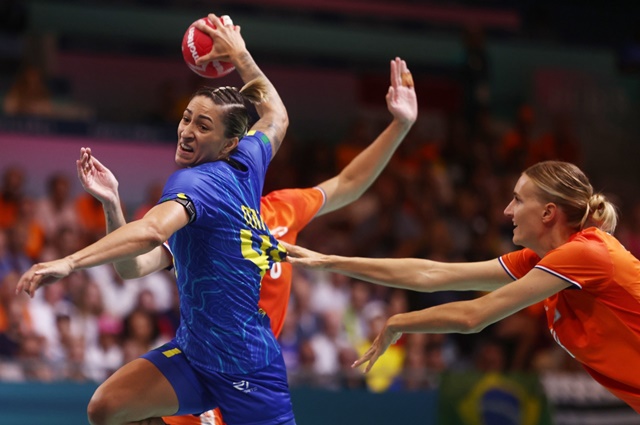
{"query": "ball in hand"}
pixel 196 43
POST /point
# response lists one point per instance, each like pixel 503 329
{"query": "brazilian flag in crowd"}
pixel 475 398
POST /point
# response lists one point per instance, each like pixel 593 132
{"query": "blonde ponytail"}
pixel 601 213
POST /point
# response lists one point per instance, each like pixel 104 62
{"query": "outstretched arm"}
pixel 132 239
pixel 356 177
pixel 100 182
pixel 229 46
pixel 406 273
pixel 466 316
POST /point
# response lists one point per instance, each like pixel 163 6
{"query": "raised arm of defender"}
pixel 362 171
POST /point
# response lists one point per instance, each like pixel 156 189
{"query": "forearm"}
pixel 273 115
pixel 365 168
pixel 122 244
pixel 420 274
pixel 405 273
pixel 114 217
pixel 249 70
pixel 113 214
pixel 246 66
pixel 455 317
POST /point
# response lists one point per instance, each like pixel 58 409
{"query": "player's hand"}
pixel 43 274
pixel 379 346
pixel 96 179
pixel 401 97
pixel 300 256
pixel 228 44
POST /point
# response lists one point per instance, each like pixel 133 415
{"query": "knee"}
pixel 101 410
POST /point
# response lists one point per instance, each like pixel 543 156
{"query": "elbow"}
pixel 471 321
pixel 154 235
pixel 471 326
pixel 278 118
pixel 283 122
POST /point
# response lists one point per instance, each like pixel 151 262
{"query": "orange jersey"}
pixel 285 212
pixel 597 319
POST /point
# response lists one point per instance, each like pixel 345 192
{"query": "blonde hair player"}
pixel 589 282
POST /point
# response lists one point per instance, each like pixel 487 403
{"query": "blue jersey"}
pixel 220 258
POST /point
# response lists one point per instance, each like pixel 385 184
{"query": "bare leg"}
pixel 137 393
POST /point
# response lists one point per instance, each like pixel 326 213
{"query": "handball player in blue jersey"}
pixel 224 354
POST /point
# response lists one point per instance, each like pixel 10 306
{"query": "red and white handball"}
pixel 195 43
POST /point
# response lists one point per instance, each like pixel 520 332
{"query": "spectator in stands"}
pixel 15 255
pixel 560 144
pixel 36 238
pixel 107 356
pixel 11 193
pixel 15 320
pixel 29 94
pixel 515 145
pixel 56 210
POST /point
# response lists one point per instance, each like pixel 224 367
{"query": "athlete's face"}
pixel 526 211
pixel 201 134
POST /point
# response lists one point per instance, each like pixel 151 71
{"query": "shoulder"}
pixel 588 245
pixel 586 258
pixel 293 208
pixel 254 140
pixel 293 195
pixel 185 177
pixel 303 202
pixel 519 263
pixel 254 151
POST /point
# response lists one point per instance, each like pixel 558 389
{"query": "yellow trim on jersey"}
pixel 172 352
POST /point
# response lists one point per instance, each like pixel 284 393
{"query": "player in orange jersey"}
pixel 589 282
pixel 286 212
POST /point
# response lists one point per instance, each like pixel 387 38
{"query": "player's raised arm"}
pixel 229 46
pixel 362 171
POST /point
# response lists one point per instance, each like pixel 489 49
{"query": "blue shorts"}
pixel 258 398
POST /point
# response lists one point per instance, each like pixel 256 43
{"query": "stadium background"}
pixel 113 71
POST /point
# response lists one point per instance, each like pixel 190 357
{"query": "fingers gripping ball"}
pixel 195 43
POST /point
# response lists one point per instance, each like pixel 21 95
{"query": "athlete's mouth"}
pixel 186 147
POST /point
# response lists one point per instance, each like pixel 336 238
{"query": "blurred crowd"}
pixel 442 197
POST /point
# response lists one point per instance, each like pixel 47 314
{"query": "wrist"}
pixel 110 203
pixel 393 324
pixel 404 122
pixel 329 261
pixel 71 262
pixel 400 127
pixel 241 59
